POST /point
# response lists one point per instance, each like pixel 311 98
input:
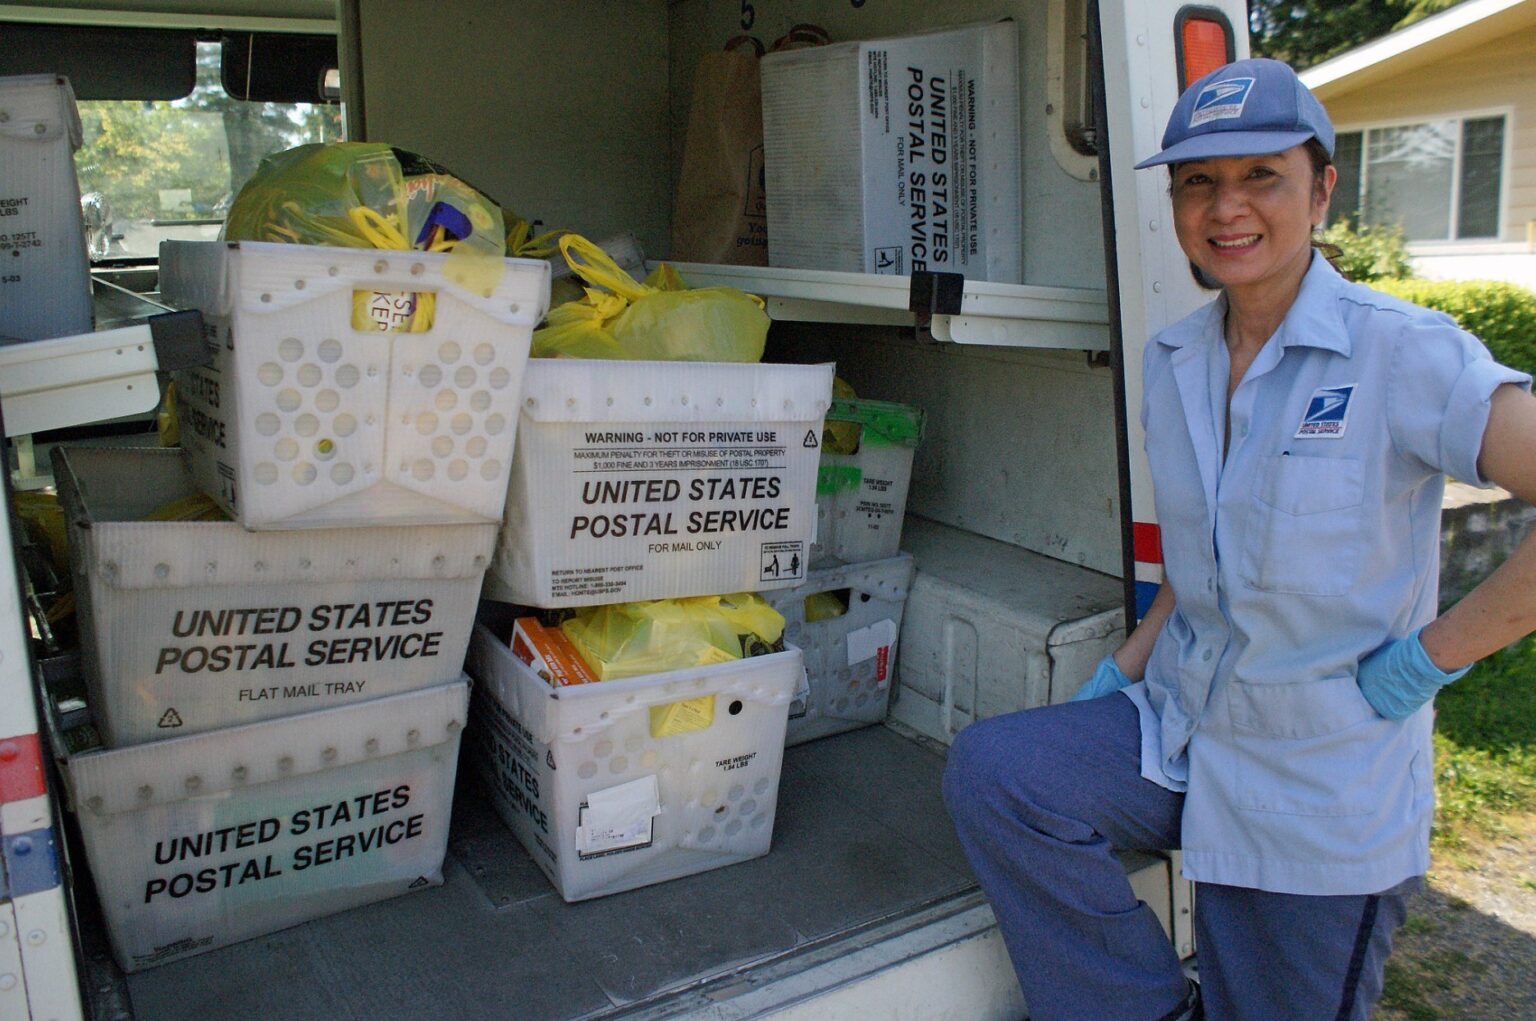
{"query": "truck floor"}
pixel 861 835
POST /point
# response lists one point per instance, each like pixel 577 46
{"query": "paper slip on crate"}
pixel 656 480
pixel 850 658
pixel 189 626
pixel 45 288
pixel 861 486
pixel 305 420
pixel 896 155
pixel 206 840
pixel 616 785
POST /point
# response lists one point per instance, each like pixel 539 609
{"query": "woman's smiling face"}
pixel 1247 220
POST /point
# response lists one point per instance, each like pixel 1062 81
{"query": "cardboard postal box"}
pixel 896 155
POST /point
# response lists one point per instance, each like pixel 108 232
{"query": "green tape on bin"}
pixel 884 421
pixel 832 479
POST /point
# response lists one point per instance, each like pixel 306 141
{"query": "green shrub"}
pixel 1368 253
pixel 1502 315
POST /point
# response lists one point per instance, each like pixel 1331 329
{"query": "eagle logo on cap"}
pixel 1221 100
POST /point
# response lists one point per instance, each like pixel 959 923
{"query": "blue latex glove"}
pixel 1400 677
pixel 1106 680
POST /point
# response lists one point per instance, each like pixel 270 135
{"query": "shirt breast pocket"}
pixel 1307 514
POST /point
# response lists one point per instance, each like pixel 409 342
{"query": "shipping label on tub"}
pixel 666 510
pixel 924 167
pixel 618 818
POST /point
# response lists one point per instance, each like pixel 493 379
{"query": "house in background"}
pixel 1436 131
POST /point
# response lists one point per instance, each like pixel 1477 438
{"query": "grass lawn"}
pixel 1485 749
pixel 1485 783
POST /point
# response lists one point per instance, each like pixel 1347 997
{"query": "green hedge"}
pixel 1502 315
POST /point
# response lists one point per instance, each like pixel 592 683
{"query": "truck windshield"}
pixel 153 171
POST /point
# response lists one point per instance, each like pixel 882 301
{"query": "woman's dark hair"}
pixel 1320 162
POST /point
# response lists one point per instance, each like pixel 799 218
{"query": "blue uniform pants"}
pixel 1041 800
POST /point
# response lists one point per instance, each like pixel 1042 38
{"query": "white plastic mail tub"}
pixel 615 785
pixel 206 840
pixel 657 480
pixel 45 285
pixel 189 626
pixel 850 660
pixel 305 421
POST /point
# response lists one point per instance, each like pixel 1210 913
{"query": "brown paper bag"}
pixel 721 215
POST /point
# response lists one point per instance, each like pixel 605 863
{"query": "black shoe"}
pixel 1189 1009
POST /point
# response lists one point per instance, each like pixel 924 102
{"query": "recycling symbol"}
pixel 419 883
pixel 810 438
pixel 171 719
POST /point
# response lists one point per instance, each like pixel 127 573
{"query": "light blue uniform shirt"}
pixel 1315 541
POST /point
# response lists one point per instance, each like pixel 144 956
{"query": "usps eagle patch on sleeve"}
pixel 1327 413
pixel 1220 100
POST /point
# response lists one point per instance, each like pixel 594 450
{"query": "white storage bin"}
pixel 656 480
pixel 190 626
pixel 210 839
pixel 896 155
pixel 600 801
pixel 45 285
pixel 304 421
pixel 993 628
pixel 850 661
pixel 861 497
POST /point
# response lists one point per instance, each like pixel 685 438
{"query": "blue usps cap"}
pixel 1247 108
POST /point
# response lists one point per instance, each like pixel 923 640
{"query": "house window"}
pixel 1439 179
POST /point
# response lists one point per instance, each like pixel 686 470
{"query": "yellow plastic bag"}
pixel 660 321
pixel 369 195
pixel 630 639
pixel 824 606
pixel 840 437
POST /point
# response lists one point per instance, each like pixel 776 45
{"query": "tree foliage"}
pixel 1305 32
pixel 207 145
pixel 1366 253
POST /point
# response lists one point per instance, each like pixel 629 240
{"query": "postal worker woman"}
pixel 1298 429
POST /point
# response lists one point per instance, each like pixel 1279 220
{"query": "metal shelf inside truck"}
pixel 998 315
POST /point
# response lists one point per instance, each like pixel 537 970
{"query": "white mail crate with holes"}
pixel 306 420
pixel 850 657
pixel 214 838
pixel 861 488
pixel 615 785
pixel 657 480
pixel 45 287
pixel 189 626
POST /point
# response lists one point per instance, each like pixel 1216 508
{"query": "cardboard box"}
pixel 850 659
pixel 305 421
pixel 620 784
pixel 206 840
pixel 654 480
pixel 45 277
pixel 549 653
pixel 896 155
pixel 190 626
